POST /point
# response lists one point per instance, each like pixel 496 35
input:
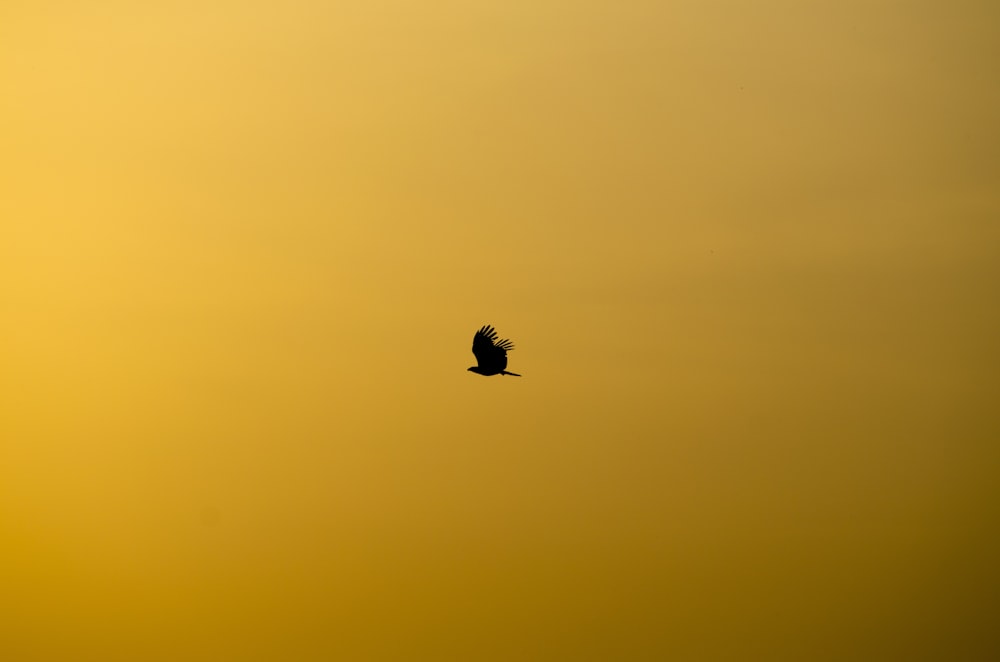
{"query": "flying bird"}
pixel 491 353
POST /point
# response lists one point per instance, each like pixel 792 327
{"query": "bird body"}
pixel 491 353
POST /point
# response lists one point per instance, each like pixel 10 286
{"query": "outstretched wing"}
pixel 490 352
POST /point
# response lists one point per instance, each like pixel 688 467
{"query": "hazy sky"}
pixel 749 253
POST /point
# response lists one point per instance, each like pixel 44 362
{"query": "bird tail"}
pixel 512 374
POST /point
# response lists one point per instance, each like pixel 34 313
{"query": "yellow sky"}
pixel 749 254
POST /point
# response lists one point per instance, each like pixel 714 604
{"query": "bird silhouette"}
pixel 491 353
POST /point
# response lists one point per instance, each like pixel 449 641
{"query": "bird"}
pixel 491 353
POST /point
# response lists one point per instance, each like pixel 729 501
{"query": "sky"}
pixel 748 254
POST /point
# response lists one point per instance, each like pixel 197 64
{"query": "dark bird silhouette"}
pixel 491 353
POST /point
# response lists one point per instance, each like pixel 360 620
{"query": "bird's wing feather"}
pixel 490 351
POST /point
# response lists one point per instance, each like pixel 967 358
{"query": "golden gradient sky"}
pixel 749 254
